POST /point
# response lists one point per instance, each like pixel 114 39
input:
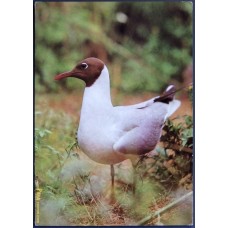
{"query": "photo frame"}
pixel 146 47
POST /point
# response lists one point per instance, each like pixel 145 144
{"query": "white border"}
pixel 16 96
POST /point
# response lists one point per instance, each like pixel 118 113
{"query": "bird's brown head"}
pixel 87 70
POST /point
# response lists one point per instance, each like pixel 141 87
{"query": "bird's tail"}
pixel 168 98
pixel 169 93
pixel 173 106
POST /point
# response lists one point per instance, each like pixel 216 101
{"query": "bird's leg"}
pixel 112 187
pixel 134 180
pixel 112 175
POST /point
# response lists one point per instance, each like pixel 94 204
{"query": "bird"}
pixel 110 134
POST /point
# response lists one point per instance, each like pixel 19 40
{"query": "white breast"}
pixel 96 138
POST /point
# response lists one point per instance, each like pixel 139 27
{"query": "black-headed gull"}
pixel 109 134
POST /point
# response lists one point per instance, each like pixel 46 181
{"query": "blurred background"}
pixel 145 45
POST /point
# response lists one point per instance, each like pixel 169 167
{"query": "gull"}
pixel 111 134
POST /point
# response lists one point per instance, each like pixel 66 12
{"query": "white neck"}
pixel 97 96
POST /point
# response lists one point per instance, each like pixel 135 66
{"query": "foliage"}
pixel 162 38
pixel 151 47
pixel 178 144
pixel 180 134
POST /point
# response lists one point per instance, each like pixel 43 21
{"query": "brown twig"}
pixel 162 210
pixel 178 147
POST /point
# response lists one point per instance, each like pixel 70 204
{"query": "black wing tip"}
pixel 167 96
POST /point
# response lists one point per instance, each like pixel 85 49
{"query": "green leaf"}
pixel 161 151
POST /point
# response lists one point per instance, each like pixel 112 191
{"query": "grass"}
pixel 76 190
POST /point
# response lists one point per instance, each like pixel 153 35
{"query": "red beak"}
pixel 64 75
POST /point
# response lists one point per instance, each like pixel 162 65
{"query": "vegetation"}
pixel 145 45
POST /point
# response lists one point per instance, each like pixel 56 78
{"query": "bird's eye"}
pixel 84 66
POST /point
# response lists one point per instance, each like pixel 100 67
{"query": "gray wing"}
pixel 142 123
pixel 141 129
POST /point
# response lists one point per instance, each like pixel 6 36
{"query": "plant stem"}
pixel 162 210
pixel 180 148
